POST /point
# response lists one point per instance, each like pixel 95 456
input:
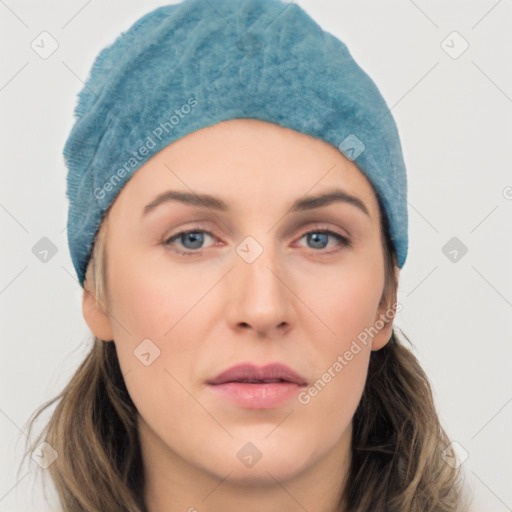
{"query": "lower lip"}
pixel 257 396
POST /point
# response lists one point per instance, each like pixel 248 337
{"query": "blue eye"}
pixel 320 238
pixel 193 240
pixel 196 238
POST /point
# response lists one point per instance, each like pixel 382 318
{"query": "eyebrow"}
pixel 215 203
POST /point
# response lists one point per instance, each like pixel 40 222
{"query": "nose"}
pixel 262 299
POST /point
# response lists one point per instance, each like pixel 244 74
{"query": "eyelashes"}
pixel 325 234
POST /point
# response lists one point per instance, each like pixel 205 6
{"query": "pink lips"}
pixel 254 387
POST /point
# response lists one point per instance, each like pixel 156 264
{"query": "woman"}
pixel 238 220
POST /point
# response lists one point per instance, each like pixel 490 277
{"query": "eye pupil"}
pixel 194 237
pixel 319 238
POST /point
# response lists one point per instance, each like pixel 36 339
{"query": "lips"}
pixel 251 374
pixel 257 387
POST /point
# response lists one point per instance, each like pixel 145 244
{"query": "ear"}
pixel 386 312
pixel 96 315
pixel 384 324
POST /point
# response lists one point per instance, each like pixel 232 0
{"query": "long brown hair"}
pixel 398 441
pixel 397 444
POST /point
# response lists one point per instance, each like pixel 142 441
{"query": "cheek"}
pixel 151 309
pixel 148 304
pixel 346 302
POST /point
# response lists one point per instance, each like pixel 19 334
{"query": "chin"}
pixel 259 462
pixel 261 474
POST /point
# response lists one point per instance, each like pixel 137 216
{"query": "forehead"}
pixel 251 163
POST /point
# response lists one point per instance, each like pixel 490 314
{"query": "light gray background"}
pixel 455 120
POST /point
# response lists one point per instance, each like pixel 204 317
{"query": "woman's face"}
pixel 256 281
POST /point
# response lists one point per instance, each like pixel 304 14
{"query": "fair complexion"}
pixel 301 302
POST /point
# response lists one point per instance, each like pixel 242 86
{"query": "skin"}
pixel 299 303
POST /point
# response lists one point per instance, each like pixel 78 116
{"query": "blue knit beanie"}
pixel 190 65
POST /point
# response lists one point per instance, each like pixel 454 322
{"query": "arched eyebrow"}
pixel 216 203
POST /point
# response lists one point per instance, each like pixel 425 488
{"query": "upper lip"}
pixel 250 372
